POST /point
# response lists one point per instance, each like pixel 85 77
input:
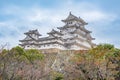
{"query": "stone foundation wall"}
pixel 55 50
pixel 52 50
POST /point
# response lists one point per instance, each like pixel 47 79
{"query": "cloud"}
pixel 98 16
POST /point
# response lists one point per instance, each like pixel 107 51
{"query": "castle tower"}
pixel 75 35
pixel 31 40
pixel 52 41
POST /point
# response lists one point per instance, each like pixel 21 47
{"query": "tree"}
pixel 18 64
pixel 117 60
pixel 103 58
pixel 96 64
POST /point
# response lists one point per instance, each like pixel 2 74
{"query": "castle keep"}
pixel 72 36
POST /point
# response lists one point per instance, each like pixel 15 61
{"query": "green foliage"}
pixel 105 46
pixel 117 53
pixel 102 51
pixel 17 50
pixel 57 75
pixel 16 63
pixel 18 54
pixel 4 51
pixel 59 78
pixel 99 62
pixel 33 54
pixel 30 54
pixel 117 60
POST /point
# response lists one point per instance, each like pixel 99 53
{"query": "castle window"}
pixel 69 23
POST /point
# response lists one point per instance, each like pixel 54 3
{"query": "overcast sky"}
pixel 19 16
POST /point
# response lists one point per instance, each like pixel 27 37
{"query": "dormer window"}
pixel 69 22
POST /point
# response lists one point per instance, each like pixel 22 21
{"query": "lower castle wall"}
pixel 52 50
pixel 55 50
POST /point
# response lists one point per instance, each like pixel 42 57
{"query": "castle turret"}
pixel 71 20
pixel 75 35
pixel 31 40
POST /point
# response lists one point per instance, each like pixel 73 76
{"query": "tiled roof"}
pixel 72 17
pixel 33 32
pixel 54 31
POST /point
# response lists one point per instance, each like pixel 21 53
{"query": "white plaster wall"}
pixel 87 44
pixel 83 43
pixel 70 41
pixel 48 41
pixel 57 35
pixel 31 47
pixel 70 24
pixel 51 46
pixel 34 36
pixel 81 31
pixel 75 47
pixel 71 29
pixel 81 37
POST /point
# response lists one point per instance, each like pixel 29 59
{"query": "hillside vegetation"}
pixel 99 63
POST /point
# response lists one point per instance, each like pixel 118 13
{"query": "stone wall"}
pixel 55 50
pixel 52 50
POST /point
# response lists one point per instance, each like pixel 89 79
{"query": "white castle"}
pixel 72 36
